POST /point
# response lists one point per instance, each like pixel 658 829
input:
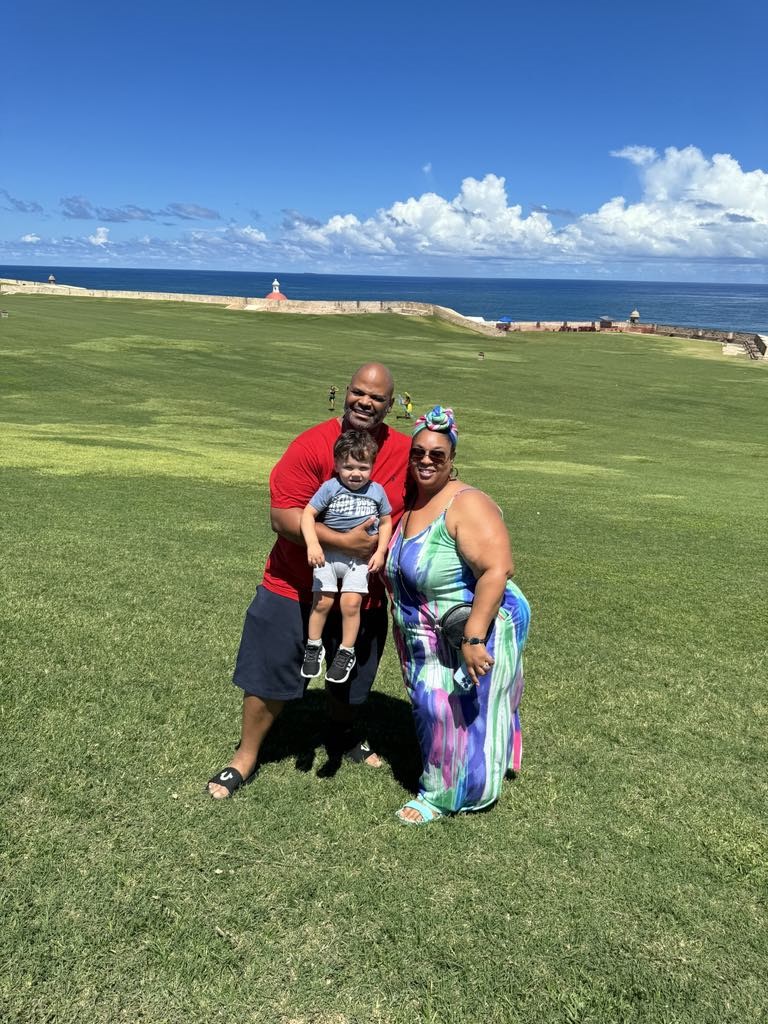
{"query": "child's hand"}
pixel 376 561
pixel 315 556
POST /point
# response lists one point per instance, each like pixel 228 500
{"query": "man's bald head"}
pixel 369 397
pixel 380 372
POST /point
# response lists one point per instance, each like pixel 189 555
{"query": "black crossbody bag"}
pixel 451 625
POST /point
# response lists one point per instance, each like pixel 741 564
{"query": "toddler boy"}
pixel 345 501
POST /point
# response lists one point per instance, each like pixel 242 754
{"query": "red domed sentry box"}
pixel 276 295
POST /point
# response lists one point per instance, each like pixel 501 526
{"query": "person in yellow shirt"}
pixel 406 404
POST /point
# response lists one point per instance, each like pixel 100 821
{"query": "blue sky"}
pixel 493 139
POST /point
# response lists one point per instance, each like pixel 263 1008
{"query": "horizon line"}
pixel 421 277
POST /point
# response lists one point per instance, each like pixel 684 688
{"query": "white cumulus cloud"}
pixel 477 222
pixel 690 210
pixel 247 234
pixel 100 237
pixel 639 155
pixel 692 207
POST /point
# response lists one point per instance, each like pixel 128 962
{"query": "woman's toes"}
pixel 410 814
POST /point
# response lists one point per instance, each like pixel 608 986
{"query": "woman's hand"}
pixel 477 660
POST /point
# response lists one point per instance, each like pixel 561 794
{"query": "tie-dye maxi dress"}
pixel 467 740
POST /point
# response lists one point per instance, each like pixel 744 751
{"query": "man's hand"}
pixel 360 543
pixel 356 542
pixel 315 556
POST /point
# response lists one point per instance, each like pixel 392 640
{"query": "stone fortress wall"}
pixel 259 305
pixel 733 342
pixel 11 287
pixel 705 333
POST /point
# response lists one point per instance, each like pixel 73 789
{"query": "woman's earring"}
pixel 454 474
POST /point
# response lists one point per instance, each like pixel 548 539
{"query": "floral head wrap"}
pixel 440 420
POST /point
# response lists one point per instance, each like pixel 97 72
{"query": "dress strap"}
pixel 462 491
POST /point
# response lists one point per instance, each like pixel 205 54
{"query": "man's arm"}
pixel 287 523
pixel 357 542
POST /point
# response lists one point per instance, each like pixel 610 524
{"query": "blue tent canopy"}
pixel 505 320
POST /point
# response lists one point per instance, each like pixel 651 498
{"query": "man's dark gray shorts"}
pixel 272 649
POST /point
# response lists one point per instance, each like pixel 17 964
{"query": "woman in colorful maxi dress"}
pixel 451 547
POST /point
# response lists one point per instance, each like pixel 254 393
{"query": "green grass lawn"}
pixel 622 877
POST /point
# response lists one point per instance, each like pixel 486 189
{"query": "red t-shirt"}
pixel 307 462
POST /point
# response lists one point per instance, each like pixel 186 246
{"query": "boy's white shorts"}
pixel 338 566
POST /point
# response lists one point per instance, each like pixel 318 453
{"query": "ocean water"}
pixel 730 307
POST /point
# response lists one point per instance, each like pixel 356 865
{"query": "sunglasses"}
pixel 435 455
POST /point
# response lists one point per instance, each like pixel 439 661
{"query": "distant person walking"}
pixel 332 397
pixel 406 404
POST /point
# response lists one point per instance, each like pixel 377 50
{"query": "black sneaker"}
pixel 313 659
pixel 341 666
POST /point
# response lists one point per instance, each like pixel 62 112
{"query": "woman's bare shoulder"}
pixel 467 497
pixel 472 503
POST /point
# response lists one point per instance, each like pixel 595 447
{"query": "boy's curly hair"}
pixel 356 443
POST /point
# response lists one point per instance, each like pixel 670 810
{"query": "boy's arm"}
pixel 380 554
pixel 315 555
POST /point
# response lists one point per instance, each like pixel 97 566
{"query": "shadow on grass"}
pixel 299 733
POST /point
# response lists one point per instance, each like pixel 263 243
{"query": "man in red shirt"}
pixel 275 630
